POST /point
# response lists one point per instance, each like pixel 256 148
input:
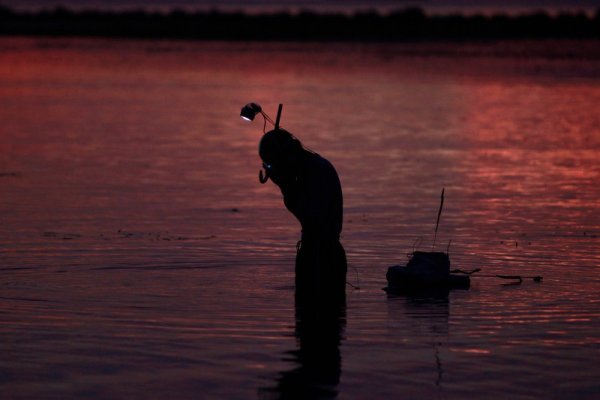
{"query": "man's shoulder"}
pixel 320 161
pixel 322 166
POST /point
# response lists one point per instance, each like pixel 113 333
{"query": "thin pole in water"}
pixel 437 224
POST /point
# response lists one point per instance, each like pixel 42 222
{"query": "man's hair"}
pixel 278 145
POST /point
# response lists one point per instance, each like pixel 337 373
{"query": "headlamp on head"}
pixel 250 110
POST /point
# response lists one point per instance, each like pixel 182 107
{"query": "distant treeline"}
pixel 408 24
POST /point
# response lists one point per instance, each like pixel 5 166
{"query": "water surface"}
pixel 140 257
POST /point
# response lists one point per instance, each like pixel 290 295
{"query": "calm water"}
pixel 141 258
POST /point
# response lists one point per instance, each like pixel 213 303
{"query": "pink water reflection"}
pixel 137 240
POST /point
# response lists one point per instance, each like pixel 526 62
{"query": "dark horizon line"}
pixel 403 24
pixel 61 9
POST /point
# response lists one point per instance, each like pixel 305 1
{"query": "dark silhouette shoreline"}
pixel 403 25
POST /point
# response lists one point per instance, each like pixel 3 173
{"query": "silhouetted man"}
pixel 312 192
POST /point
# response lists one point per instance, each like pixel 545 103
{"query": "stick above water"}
pixel 437 224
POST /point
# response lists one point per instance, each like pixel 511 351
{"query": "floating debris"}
pixel 430 270
pixel 9 174
pixel 425 270
pixel 61 236
pixel 518 278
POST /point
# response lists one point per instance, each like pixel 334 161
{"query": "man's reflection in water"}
pixel 319 331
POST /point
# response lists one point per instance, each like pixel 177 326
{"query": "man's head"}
pixel 279 148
